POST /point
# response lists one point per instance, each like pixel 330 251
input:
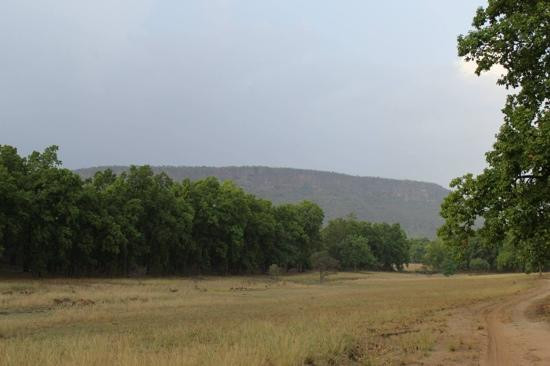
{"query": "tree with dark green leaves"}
pixel 13 203
pixel 310 218
pixel 260 236
pixel 50 231
pixel 512 195
pixel 221 214
pixel 164 220
pixel 387 243
pixel 297 234
pixel 337 230
pixel 140 223
pixel 353 253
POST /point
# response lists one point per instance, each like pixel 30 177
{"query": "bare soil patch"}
pixel 511 331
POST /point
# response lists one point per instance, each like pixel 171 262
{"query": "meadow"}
pixel 351 319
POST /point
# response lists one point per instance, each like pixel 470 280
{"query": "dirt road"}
pixel 496 334
pixel 513 338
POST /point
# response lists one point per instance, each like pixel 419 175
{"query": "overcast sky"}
pixel 361 87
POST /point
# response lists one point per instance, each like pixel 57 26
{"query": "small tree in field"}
pixel 274 271
pixel 324 263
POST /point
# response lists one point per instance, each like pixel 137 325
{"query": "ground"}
pixel 352 319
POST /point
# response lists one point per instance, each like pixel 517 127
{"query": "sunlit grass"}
pixel 354 318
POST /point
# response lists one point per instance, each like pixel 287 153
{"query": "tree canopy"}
pixel 138 222
pixel 364 245
pixel 53 222
pixel 510 199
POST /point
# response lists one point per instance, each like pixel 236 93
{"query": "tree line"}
pixel 438 256
pixel 475 254
pixel 53 222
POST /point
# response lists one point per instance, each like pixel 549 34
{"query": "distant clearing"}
pixel 353 319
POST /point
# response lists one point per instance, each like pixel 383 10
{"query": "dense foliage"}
pixel 53 222
pixel 364 245
pixel 440 256
pixel 512 195
pixel 414 205
pixel 138 222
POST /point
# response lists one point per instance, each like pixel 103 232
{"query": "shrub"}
pixel 449 266
pixel 437 256
pixel 479 265
pixel 354 253
pixel 274 271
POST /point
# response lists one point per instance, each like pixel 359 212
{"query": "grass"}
pixel 352 319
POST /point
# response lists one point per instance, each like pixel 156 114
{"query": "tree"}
pixel 323 262
pixel 259 236
pixel 389 245
pixel 339 229
pixel 353 253
pixel 310 218
pixel 417 249
pixel 12 203
pixel 514 35
pixel 512 195
pixel 439 257
pixel 222 213
pixel 298 234
pixel 54 223
pixel 50 227
pixel 508 258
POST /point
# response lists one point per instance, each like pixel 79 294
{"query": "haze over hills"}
pixel 415 205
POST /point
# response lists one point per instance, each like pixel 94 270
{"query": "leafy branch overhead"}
pixel 510 199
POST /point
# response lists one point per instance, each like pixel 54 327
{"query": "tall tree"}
pixel 12 202
pixel 512 195
pixel 389 245
pixel 52 209
pixel 163 220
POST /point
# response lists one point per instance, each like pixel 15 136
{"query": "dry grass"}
pixel 354 318
pixel 540 310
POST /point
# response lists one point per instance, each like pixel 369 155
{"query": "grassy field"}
pixel 354 318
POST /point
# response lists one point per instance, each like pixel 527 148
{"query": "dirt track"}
pixel 496 334
pixel 513 338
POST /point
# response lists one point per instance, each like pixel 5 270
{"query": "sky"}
pixel 371 88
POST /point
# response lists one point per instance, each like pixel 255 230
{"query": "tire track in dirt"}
pixel 514 339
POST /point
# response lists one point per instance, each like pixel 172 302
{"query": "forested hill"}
pixel 415 205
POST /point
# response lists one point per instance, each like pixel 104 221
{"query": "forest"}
pixel 53 222
pixel 414 205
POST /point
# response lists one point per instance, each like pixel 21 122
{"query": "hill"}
pixel 415 205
